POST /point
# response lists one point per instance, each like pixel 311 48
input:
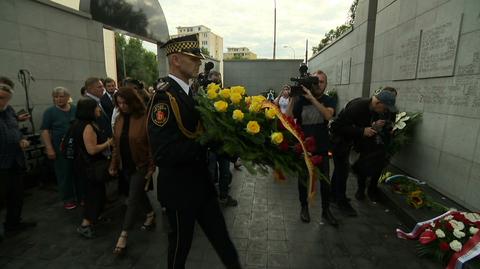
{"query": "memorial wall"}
pixel 430 52
pixel 58 45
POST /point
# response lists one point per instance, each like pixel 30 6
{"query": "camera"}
pixel 303 80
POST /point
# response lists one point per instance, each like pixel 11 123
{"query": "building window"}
pixel 198 28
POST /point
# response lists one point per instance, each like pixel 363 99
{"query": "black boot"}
pixel 304 214
pixel 329 218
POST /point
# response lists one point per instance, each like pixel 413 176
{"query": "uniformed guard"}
pixel 184 187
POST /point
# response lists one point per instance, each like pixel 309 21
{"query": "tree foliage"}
pixel 139 63
pixel 205 51
pixel 333 34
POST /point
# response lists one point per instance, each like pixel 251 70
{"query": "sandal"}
pixel 150 222
pixel 120 250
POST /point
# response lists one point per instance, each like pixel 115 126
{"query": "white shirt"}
pixel 283 104
pixel 182 83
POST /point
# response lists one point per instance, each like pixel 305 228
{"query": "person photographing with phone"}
pixel 358 123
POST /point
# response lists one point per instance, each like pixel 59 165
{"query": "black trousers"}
pixel 137 198
pixel 11 195
pixel 324 186
pixel 210 219
pixel 94 199
pixel 340 176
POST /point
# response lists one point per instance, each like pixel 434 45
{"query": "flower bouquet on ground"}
pixel 254 129
pixel 413 191
pixel 453 237
pixel 403 129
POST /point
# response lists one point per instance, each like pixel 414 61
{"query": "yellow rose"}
pixel 255 107
pixel 248 99
pixel 212 93
pixel 213 86
pixel 258 98
pixel 235 98
pixel 238 89
pixel 225 93
pixel 270 114
pixel 221 106
pixel 253 127
pixel 277 138
pixel 237 115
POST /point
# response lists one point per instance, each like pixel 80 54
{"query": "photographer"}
pixel 358 122
pixel 373 156
pixel 283 99
pixel 313 110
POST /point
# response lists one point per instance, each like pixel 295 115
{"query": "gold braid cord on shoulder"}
pixel 178 118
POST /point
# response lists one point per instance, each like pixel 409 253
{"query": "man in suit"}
pixel 94 89
pixel 184 187
pixel 107 98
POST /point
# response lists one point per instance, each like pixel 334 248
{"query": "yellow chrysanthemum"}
pixel 270 114
pixel 235 97
pixel 253 127
pixel 213 86
pixel 238 89
pixel 255 107
pixel 221 106
pixel 225 93
pixel 212 93
pixel 237 115
pixel 276 138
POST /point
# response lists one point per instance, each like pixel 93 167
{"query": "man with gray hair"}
pixel 12 160
pixel 55 123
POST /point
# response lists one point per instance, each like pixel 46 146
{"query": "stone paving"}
pixel 265 227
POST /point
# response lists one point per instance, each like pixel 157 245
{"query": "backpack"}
pixel 67 145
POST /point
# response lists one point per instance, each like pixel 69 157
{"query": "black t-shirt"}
pixel 312 121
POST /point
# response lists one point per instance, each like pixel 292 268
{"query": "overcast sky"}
pixel 249 23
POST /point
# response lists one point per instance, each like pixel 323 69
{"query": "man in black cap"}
pixel 184 187
pixel 359 121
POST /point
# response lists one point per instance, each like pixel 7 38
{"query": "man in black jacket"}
pixel 360 119
pixel 184 186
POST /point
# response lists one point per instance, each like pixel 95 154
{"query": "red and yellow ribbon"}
pixel 312 172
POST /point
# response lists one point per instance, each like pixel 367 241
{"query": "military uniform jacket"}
pixel 183 180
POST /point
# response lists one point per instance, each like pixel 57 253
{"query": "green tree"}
pixel 205 51
pixel 333 34
pixel 139 63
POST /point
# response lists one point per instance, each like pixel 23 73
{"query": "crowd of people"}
pixel 126 133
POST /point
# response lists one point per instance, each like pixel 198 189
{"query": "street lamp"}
pixel 274 27
pixel 123 60
pixel 287 46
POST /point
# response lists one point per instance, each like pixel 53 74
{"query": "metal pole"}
pixel 287 46
pixel 123 59
pixel 274 27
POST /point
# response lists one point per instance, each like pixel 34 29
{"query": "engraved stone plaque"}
pixel 338 73
pixel 438 49
pixel 346 71
pixel 405 57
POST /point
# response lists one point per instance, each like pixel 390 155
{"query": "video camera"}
pixel 203 77
pixel 304 79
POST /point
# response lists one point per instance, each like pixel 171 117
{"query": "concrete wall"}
pixel 429 51
pixel 58 45
pixel 345 62
pixel 441 40
pixel 260 75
